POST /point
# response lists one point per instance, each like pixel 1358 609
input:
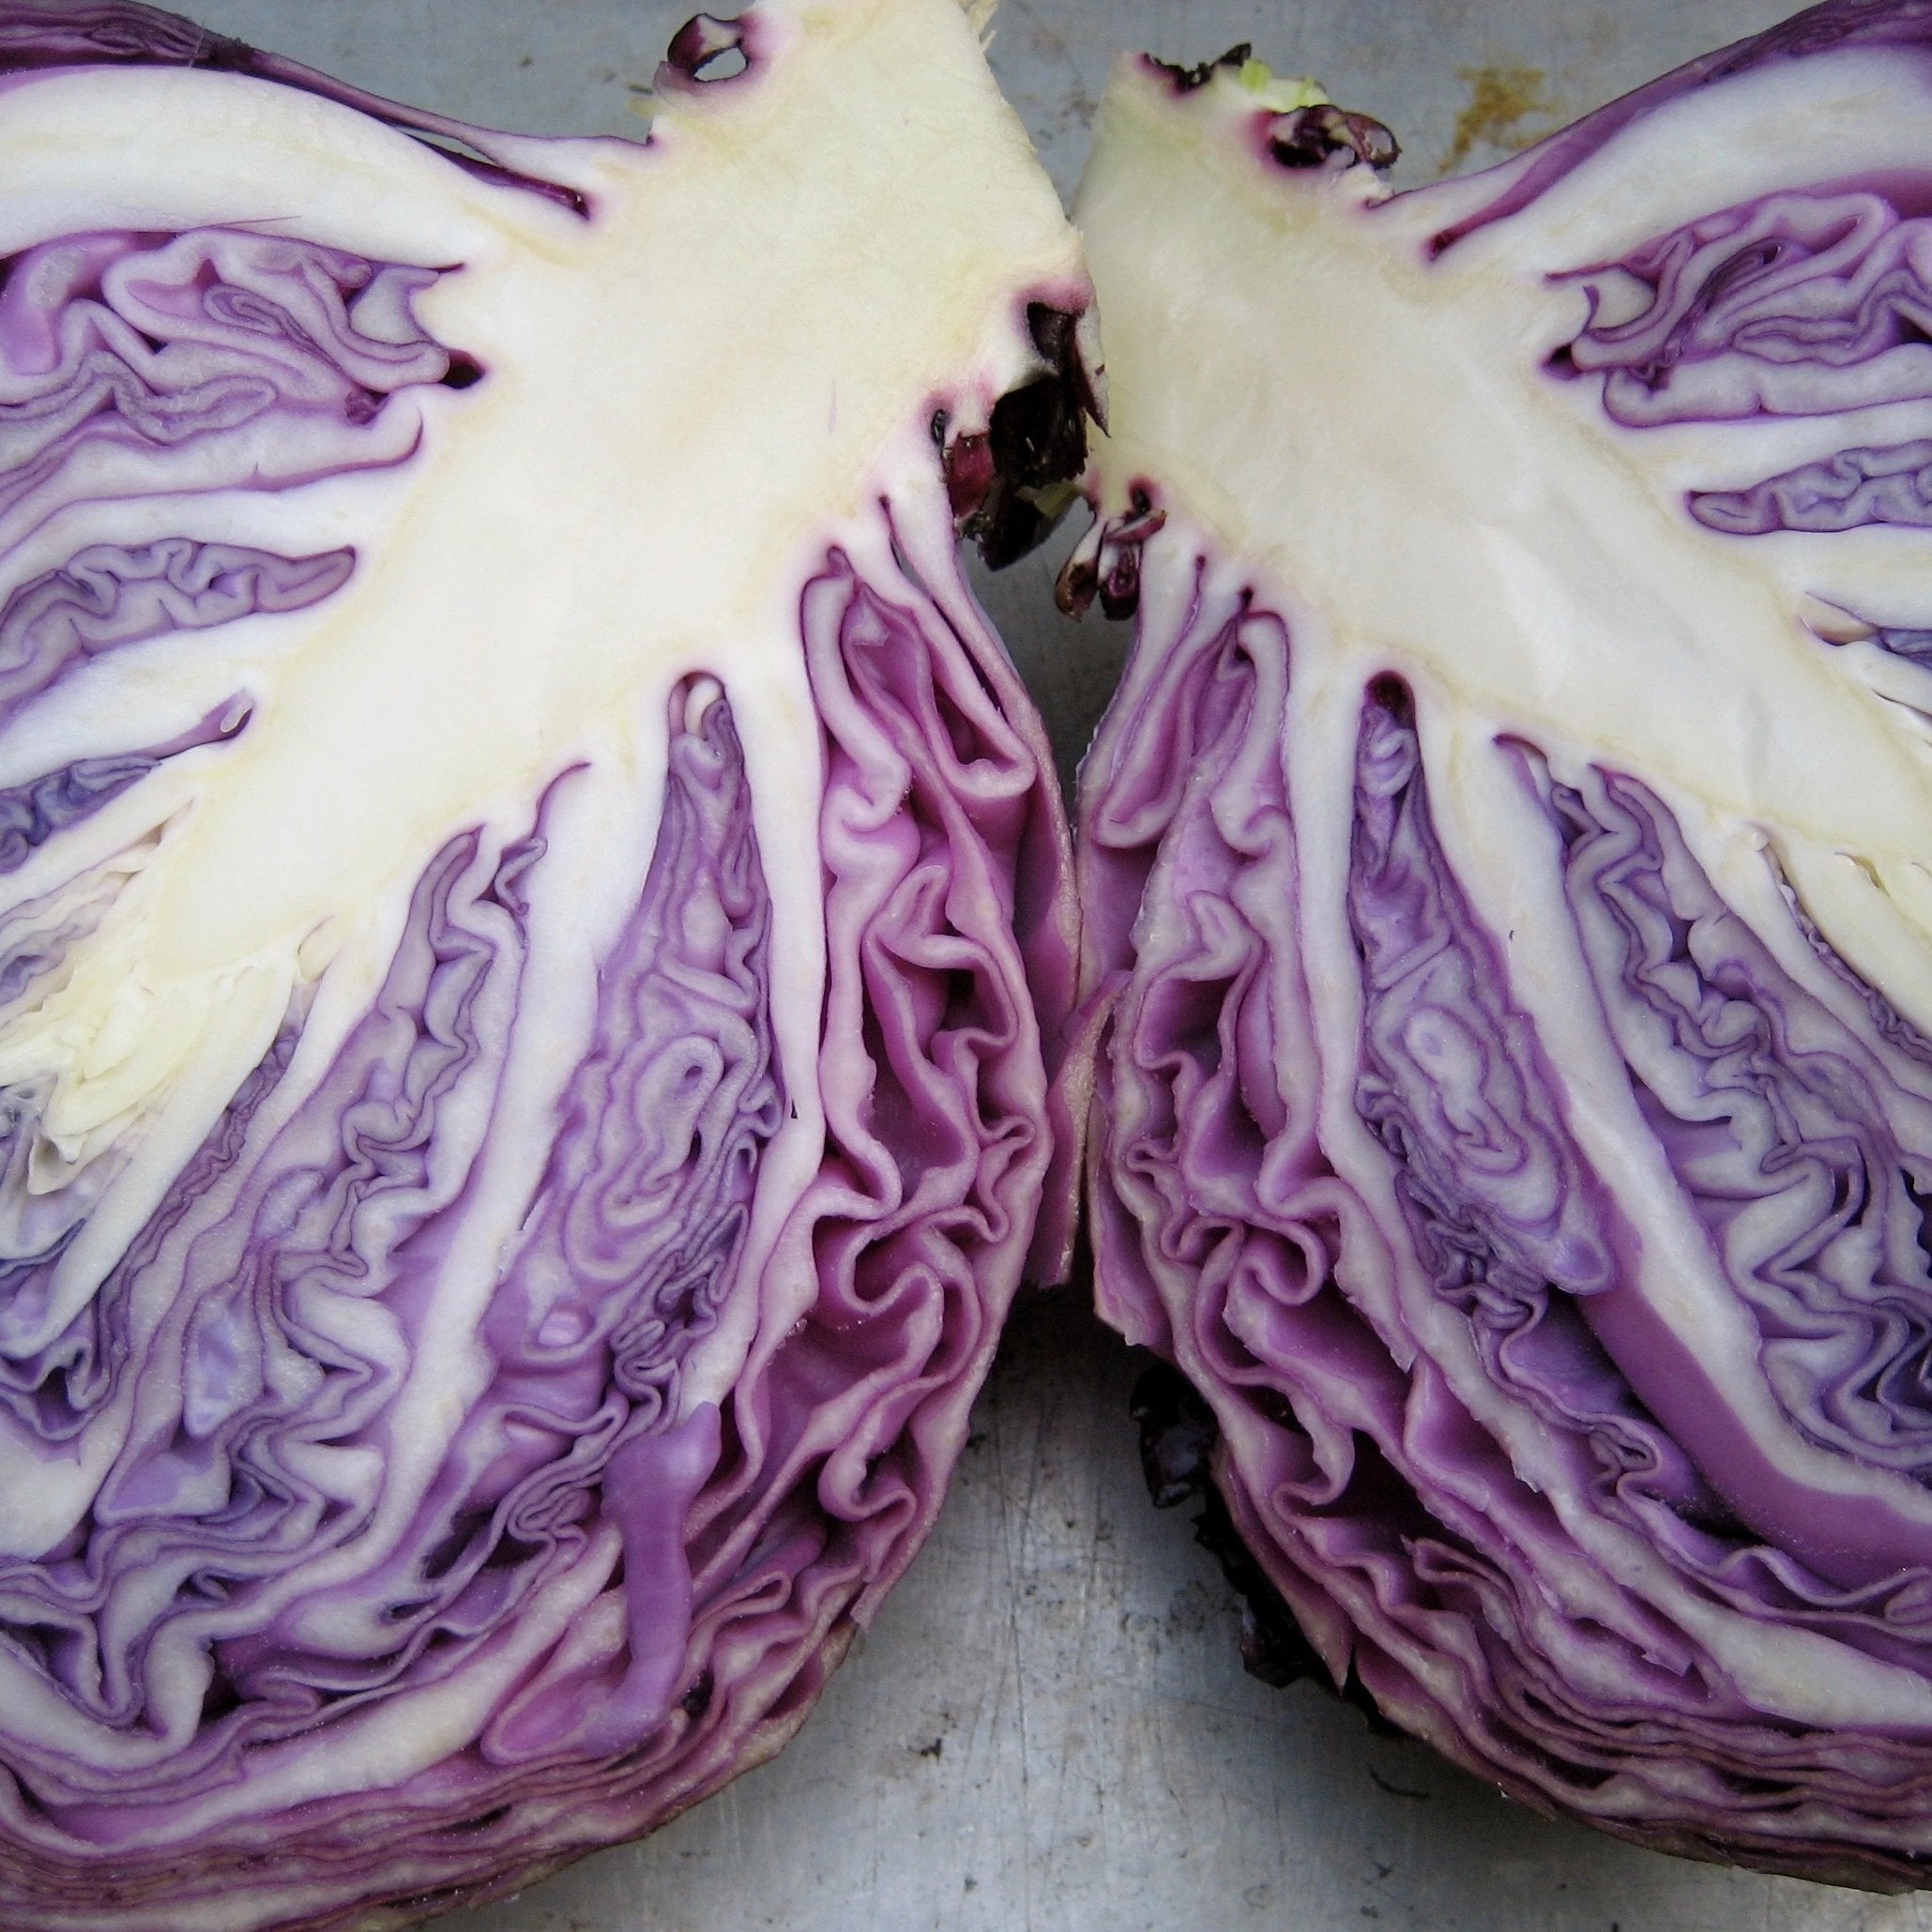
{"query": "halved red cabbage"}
pixel 534 922
pixel 1508 923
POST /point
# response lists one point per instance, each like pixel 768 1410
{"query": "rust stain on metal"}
pixel 1501 98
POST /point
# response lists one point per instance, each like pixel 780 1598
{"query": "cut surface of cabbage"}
pixel 534 921
pixel 1507 915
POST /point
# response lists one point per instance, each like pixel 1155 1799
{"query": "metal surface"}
pixel 1048 1729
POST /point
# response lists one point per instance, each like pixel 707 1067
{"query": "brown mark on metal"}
pixel 1501 98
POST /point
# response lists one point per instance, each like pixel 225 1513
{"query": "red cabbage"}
pixel 535 922
pixel 1508 937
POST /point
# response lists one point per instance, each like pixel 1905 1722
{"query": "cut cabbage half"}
pixel 534 927
pixel 1508 916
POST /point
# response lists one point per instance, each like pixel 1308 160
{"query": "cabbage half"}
pixel 533 920
pixel 1508 919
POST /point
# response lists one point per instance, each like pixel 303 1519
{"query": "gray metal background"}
pixel 1048 1729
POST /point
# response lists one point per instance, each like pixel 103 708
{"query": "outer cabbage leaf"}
pixel 1508 938
pixel 535 917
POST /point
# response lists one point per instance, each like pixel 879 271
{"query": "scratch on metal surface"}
pixel 1014 1528
pixel 1501 98
pixel 1074 1769
pixel 1027 1525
